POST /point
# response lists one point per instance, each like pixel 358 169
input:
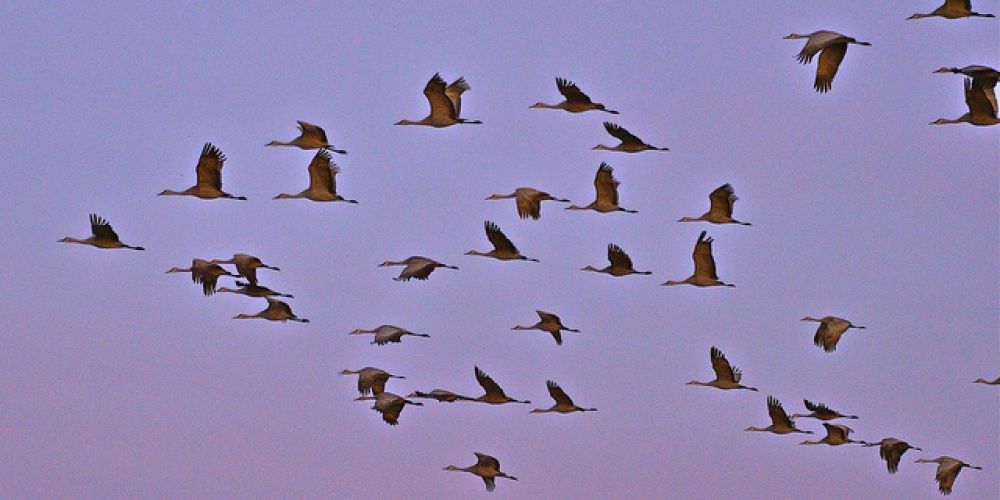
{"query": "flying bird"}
pixel 891 450
pixel 253 290
pixel 322 181
pixel 205 273
pixel 503 248
pixel 780 423
pixel 415 267
pixel 952 9
pixel 836 434
pixel 208 173
pixel 947 470
pixel 982 102
pixel 563 402
pixel 829 331
pixel 276 311
pixel 995 381
pixel 606 187
pixel 576 101
pixel 385 334
pixel 485 467
pixel 494 394
pixel 821 412
pixel 726 375
pixel 310 137
pixel 983 77
pixel 833 47
pixel 246 265
pixel 389 405
pixel 445 101
pixel 528 200
pixel 549 323
pixel 102 236
pixel 704 266
pixel 630 143
pixel 720 211
pixel 371 380
pixel 621 264
pixel 441 396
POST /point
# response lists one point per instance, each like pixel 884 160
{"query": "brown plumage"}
pixel 704 266
pixel 415 267
pixel 621 263
pixel 322 181
pixel 576 101
pixel 310 137
pixel 780 423
pixel 276 311
pixel 208 173
pixel 726 375
pixel 720 210
pixel 528 201
pixel 563 402
pixel 629 142
pixel 503 248
pixel 891 450
pixel 205 273
pixel 101 236
pixel 549 323
pixel 445 101
pixel 494 394
pixel 606 188
pixel 485 467
pixel 831 47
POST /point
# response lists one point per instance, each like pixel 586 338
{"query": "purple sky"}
pixel 117 380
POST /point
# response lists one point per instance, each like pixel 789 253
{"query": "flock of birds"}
pixel 445 110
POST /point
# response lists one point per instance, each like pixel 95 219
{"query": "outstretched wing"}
pixel 322 172
pixel 606 185
pixel 558 394
pixel 441 105
pixel 704 263
pixel 209 168
pixel 777 413
pixel 623 135
pixel 498 239
pixel 571 92
pixel 722 200
pixel 618 257
pixel 308 129
pixel 488 384
pixel 101 229
pixel 829 62
pixel 454 93
pixel 723 370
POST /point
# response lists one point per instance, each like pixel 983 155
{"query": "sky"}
pixel 118 380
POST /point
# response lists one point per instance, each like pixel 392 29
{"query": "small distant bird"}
pixel 385 334
pixel 389 405
pixel 576 101
pixel 630 143
pixel 952 9
pixel 494 394
pixel 487 468
pixel 821 412
pixel 829 331
pixel 253 290
pixel 246 265
pixel 322 181
pixel 621 264
pixel 721 207
pixel 995 381
pixel 528 200
pixel 982 103
pixel 441 395
pixel 204 272
pixel 371 380
pixel 549 323
pixel 704 266
pixel 833 47
pixel 891 450
pixel 416 267
pixel 836 434
pixel 209 177
pixel 445 101
pixel 276 311
pixel 726 375
pixel 310 137
pixel 563 402
pixel 102 236
pixel 606 187
pixel 503 248
pixel 780 423
pixel 947 470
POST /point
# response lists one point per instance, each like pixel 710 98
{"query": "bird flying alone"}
pixel 310 137
pixel 485 467
pixel 101 236
pixel 575 100
pixel 831 47
pixel 445 101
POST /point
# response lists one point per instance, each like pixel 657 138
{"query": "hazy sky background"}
pixel 119 380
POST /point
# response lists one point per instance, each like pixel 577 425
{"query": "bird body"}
pixel 995 381
pixel 829 331
pixel 503 248
pixel 204 272
pixel 371 380
pixel 485 467
pixel 836 434
pixel 821 411
pixel 780 423
pixel 606 187
pixel 575 100
pixel 208 173
pixel 629 142
pixel 246 265
pixel 952 9
pixel 385 334
pixel 726 376
pixel 102 235
pixel 947 471
pixel 276 311
pixel 621 263
pixel 322 181
pixel 981 100
pixel 445 101
pixel 310 137
pixel 528 200
pixel 832 47
pixel 494 394
pixel 563 402
pixel 441 395
pixel 549 323
pixel 891 450
pixel 415 267
pixel 720 211
pixel 251 290
pixel 389 405
pixel 704 266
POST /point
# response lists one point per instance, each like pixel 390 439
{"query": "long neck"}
pixel 602 147
pixel 476 252
pixel 812 442
pixel 919 16
pixel 541 410
pixel 672 283
pixel 286 196
pixel 578 207
pixel 171 192
pixel 409 122
pixel 535 327
pixel 280 143
pixel 246 316
pixel 691 219
pixel 695 382
pixel 70 239
pixel 548 106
